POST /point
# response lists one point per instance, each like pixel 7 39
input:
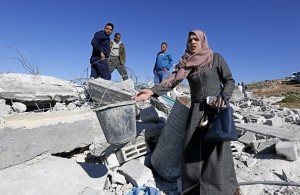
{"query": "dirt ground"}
pixel 273 87
pixel 283 88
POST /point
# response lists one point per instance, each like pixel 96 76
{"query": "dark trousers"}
pixel 114 62
pixel 100 69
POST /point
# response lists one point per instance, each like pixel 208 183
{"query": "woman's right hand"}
pixel 143 95
pixel 214 102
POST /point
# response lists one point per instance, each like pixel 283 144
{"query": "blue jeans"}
pixel 101 69
pixel 160 75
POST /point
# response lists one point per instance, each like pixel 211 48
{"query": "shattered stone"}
pixel 19 107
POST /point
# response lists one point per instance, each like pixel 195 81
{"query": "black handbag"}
pixel 221 127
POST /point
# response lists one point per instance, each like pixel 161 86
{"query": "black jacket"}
pixel 100 43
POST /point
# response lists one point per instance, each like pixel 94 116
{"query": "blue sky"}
pixel 258 39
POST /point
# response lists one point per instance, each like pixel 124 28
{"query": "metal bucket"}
pixel 118 121
pixel 166 156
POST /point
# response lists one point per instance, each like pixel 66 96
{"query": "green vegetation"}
pixel 259 85
pixel 291 100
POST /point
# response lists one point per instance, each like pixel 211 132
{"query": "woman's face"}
pixel 194 43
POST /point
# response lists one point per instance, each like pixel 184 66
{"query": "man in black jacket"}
pixel 101 51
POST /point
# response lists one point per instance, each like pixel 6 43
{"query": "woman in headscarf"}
pixel 207 168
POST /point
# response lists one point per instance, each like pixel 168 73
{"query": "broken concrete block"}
pixel 59 106
pixel 244 156
pixel 80 158
pixel 235 108
pixel 288 119
pixel 27 135
pixel 250 162
pixel 71 106
pixel 107 92
pixel 265 146
pixel 269 131
pixel 253 120
pixel 238 116
pixel 133 151
pixel 268 115
pixel 112 161
pixel 275 121
pixel 245 104
pixel 136 173
pixel 247 119
pixel 239 121
pixel 296 117
pixel 287 149
pixel 257 102
pixel 5 110
pixel 107 184
pixel 53 175
pixel 19 107
pixel 98 146
pixel 247 138
pixel 28 88
pixel 82 96
pixel 261 120
pixel 117 178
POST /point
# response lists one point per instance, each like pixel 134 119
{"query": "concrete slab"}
pixel 107 92
pixel 136 173
pixel 284 134
pixel 25 87
pixel 53 175
pixel 287 149
pixel 25 136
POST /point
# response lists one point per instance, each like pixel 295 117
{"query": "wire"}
pixel 282 183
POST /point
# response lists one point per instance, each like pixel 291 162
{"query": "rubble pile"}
pixel 52 142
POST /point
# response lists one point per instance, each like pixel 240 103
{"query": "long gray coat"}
pixel 207 168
